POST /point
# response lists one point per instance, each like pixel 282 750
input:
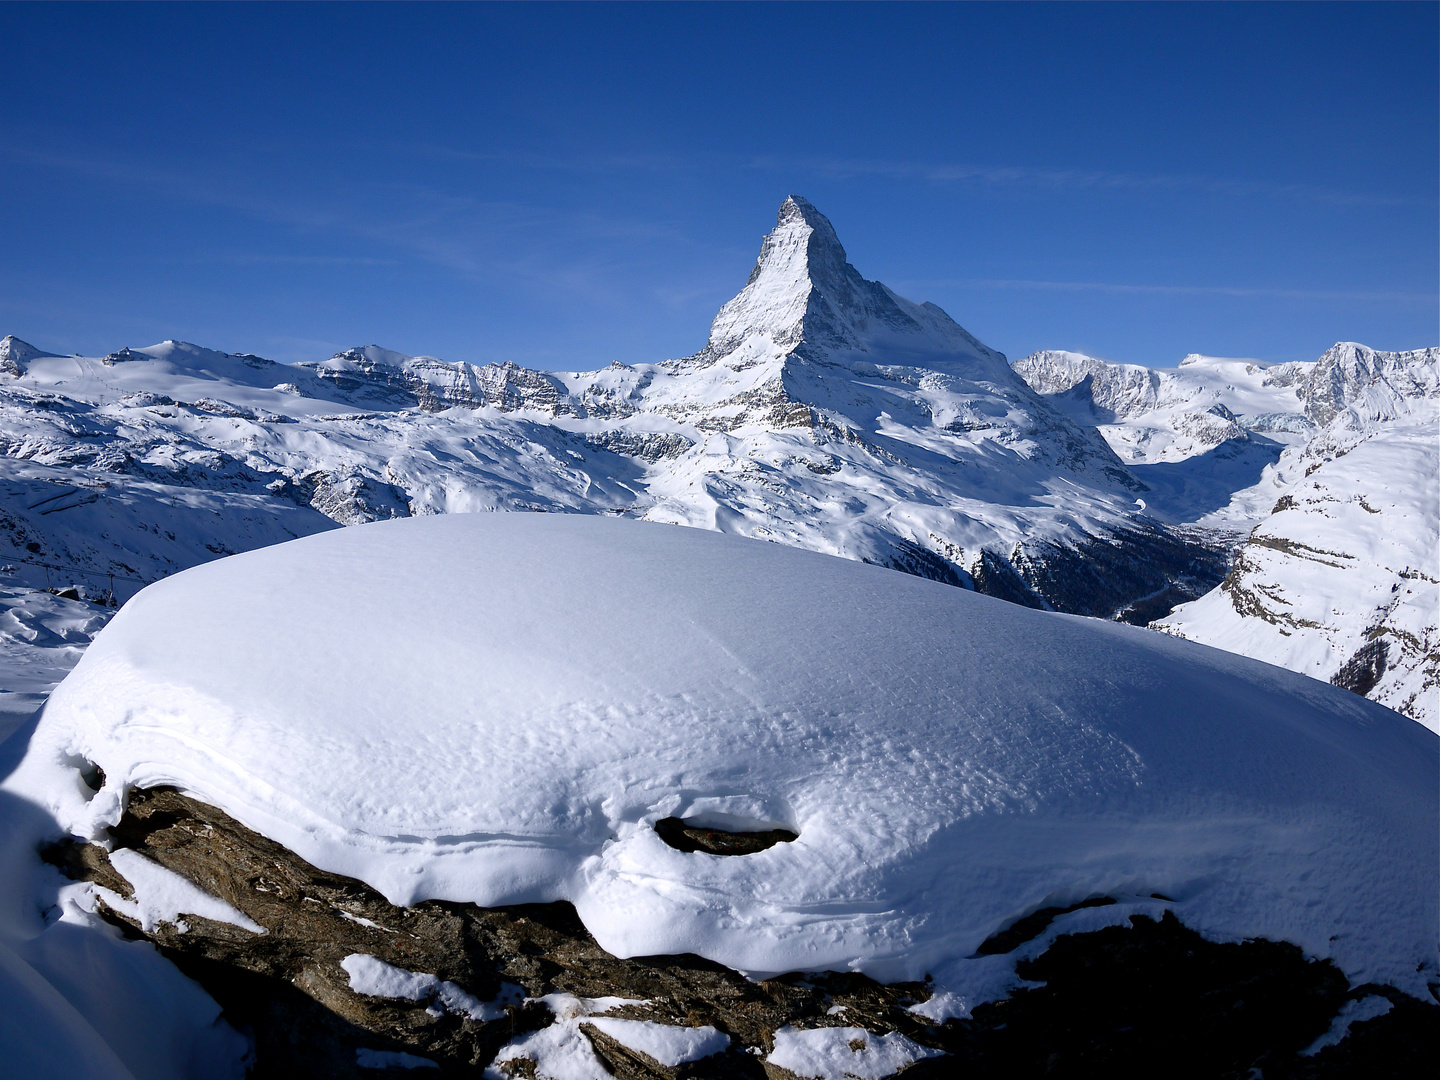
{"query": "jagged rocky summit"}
pixel 824 411
pixel 14 354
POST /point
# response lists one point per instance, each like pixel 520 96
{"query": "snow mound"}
pixel 375 978
pixel 839 1053
pixel 161 895
pixel 498 708
pixel 669 1044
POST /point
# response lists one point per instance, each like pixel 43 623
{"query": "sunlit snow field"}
pixel 497 708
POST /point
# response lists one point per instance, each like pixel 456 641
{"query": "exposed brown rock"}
pixel 1152 997
pixel 690 838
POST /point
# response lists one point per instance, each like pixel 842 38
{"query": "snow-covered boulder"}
pixel 500 708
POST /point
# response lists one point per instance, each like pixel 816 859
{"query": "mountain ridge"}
pixel 1332 468
pixel 823 411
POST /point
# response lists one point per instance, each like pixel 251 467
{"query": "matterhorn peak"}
pixel 800 226
pixel 803 293
pixel 799 254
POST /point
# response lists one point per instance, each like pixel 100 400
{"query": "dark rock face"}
pixel 1363 670
pixel 1156 999
pixel 1150 998
pixel 910 558
pixel 996 576
pixel 1135 575
pixel 683 837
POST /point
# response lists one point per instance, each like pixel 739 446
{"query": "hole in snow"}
pixel 91 775
pixel 683 836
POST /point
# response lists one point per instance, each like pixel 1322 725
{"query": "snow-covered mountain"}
pixel 1196 434
pixel 1150 414
pixel 1332 467
pixel 824 412
pixel 1339 581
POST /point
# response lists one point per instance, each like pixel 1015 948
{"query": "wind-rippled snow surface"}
pixel 498 708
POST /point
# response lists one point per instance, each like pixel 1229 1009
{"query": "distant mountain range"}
pixel 824 412
pixel 1333 470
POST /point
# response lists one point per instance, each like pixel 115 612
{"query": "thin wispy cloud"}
pixel 477 238
pixel 839 168
pixel 1172 290
pixel 1058 179
pixel 246 259
pixel 600 162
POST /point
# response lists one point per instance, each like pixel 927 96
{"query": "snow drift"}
pixel 498 708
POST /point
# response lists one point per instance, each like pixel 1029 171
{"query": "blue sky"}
pixel 570 185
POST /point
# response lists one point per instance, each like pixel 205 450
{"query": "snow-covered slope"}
pixel 1329 467
pixel 1197 435
pixel 41 638
pixel 499 708
pixel 1340 579
pixel 824 412
pixel 1160 414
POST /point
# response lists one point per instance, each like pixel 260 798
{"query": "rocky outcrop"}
pixel 650 446
pixel 376 376
pixel 1150 997
pixel 15 354
pixel 1378 386
pixel 351 497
